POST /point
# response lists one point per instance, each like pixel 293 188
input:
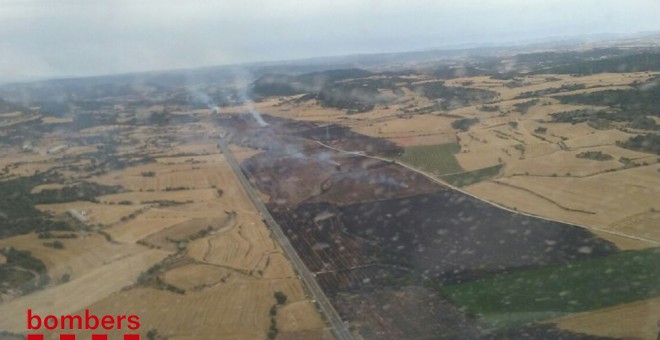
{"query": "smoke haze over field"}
pixel 54 38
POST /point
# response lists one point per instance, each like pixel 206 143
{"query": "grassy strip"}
pixel 435 159
pixel 522 297
pixel 471 177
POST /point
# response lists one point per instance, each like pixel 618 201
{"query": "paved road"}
pixel 435 179
pixel 337 326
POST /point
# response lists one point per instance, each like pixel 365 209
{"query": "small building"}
pixel 77 215
pixel 27 146
pixel 57 149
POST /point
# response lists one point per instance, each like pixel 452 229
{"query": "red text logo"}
pixel 88 321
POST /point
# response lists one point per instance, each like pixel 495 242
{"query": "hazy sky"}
pixel 44 38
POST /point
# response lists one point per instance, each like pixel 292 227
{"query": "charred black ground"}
pixel 382 239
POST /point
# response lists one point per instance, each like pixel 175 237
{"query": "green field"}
pixel 439 160
pixel 470 177
pixel 519 298
pixel 435 159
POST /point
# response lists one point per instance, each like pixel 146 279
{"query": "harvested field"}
pixel 407 141
pixel 202 148
pixel 15 156
pixel 644 224
pixel 539 82
pixel 144 225
pixel 196 277
pixel 244 247
pixel 597 138
pixel 178 235
pixel 78 257
pixel 232 310
pixel 488 147
pixel 56 120
pixel 559 163
pixel 168 178
pixel 305 111
pixel 275 265
pixel 410 131
pixel 298 316
pixel 175 198
pixel 29 169
pixel 49 186
pixel 586 194
pixel 635 320
pixel 97 284
pixel 242 153
pixel 157 219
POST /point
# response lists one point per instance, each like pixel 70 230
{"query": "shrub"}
pixel 280 297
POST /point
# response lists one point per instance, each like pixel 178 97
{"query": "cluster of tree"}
pixel 280 298
pixel 7 107
pixel 541 129
pixel 20 268
pixel 593 61
pixel 464 124
pixel 87 119
pixel 350 97
pixel 288 85
pixel 106 157
pixel 449 72
pixel 515 82
pixel 49 235
pixel 577 116
pixel 645 143
pixel 83 191
pixel 644 123
pixel 54 244
pixel 638 62
pixel 489 108
pixel 595 155
pixel 551 90
pixel 344 89
pixel 203 97
pixel 525 106
pixel 19 215
pixel 454 96
pixel 626 105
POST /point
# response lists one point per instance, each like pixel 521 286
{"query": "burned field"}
pixel 342 137
pixel 451 237
pixel 384 240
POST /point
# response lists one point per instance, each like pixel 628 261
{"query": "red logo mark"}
pixel 73 337
pixel 79 322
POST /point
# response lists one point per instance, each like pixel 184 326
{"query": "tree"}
pixel 280 297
